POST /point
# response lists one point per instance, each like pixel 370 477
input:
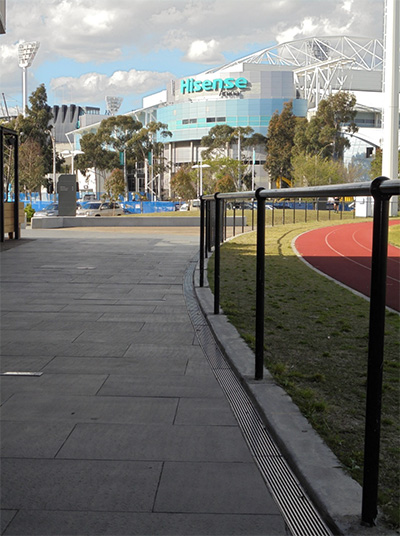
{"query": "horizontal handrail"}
pixel 388 186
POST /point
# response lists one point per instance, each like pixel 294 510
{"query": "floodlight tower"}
pixel 113 104
pixel 26 55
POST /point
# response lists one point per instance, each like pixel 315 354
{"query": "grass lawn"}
pixel 316 335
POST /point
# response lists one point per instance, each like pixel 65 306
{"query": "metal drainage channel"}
pixel 299 513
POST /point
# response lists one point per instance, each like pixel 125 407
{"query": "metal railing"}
pixel 381 189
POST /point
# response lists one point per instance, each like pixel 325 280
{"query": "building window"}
pixel 189 121
pixel 216 119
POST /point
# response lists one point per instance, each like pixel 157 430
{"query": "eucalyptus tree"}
pixel 115 134
pixel 279 145
pixel 95 156
pixel 148 150
pixel 36 126
pixel 324 135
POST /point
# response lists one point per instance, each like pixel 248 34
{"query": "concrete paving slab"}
pixel 204 411
pixel 154 350
pixel 52 349
pixel 75 523
pixel 12 363
pixel 34 336
pixel 61 408
pixel 173 318
pixel 214 488
pixel 167 385
pixel 149 442
pixel 72 384
pixel 151 366
pixel 123 486
pixel 33 439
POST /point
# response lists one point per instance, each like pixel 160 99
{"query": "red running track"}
pixel 343 252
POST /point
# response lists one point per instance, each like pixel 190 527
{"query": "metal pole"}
pixel 202 202
pixel 2 184
pixel 375 353
pixel 217 256
pixel 16 190
pixel 260 287
pixel 24 91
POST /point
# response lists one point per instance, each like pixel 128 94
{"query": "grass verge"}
pixel 316 336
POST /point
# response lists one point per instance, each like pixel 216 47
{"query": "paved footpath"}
pixel 126 431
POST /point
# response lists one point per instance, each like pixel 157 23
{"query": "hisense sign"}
pixel 190 85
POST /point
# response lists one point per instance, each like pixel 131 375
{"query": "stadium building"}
pixel 248 91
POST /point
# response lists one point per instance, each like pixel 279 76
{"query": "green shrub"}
pixel 29 211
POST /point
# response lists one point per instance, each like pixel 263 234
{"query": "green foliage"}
pixel 183 182
pixel 280 141
pixel 29 211
pixel 114 185
pixel 376 164
pixel 31 166
pixel 314 170
pixel 322 135
pixel 36 125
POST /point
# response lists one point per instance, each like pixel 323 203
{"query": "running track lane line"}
pixel 343 252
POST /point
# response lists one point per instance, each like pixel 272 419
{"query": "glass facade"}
pixel 193 120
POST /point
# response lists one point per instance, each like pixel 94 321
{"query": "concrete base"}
pixel 59 222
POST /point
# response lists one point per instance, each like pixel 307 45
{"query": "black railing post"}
pixel 217 255
pixel 260 286
pixel 2 184
pixel 17 232
pixel 375 353
pixel 202 241
pixel 208 228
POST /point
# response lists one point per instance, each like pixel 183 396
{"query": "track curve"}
pixel 343 252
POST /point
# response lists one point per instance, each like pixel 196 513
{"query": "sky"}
pixel 90 49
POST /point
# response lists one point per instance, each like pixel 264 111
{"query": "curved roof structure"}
pixel 361 52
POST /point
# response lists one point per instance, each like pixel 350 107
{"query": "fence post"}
pixel 217 255
pixel 202 241
pixel 375 353
pixel 260 286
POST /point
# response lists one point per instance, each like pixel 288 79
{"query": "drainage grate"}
pixel 299 513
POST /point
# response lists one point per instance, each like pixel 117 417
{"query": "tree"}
pixel 183 182
pixel 95 156
pixel 36 125
pixel 115 133
pixel 309 170
pixel 217 141
pixel 280 142
pixel 114 185
pixel 148 151
pixel 225 184
pixel 31 166
pixel 376 164
pixel 323 134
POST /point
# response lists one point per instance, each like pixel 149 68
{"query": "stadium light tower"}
pixel 26 55
pixel 113 104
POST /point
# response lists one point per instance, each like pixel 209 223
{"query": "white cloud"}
pixel 204 52
pixel 91 87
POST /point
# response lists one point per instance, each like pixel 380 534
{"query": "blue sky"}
pixel 131 48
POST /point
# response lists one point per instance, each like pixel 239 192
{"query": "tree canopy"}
pixel 279 144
